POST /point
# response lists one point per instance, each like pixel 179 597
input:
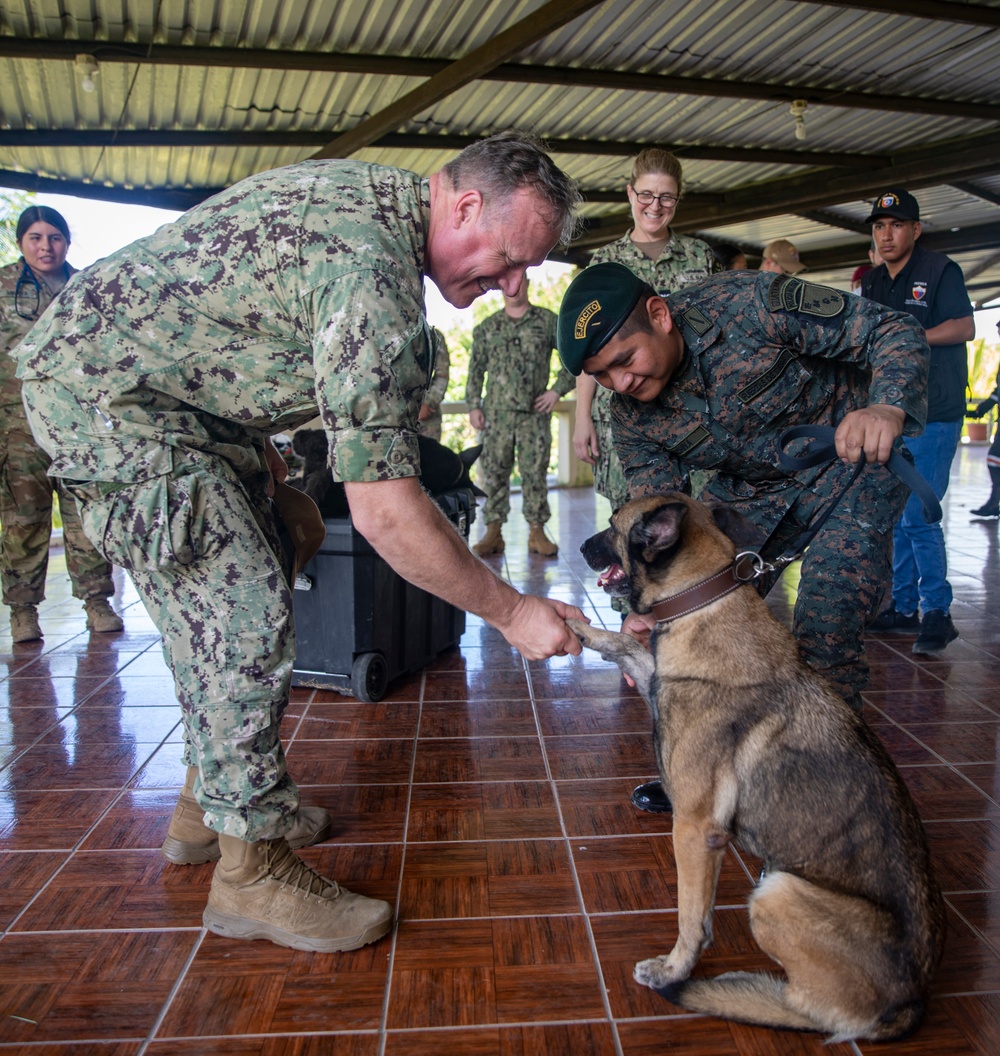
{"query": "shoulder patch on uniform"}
pixel 696 319
pixel 790 294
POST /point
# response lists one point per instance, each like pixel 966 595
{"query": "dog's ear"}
pixel 470 454
pixel 659 530
pixel 741 530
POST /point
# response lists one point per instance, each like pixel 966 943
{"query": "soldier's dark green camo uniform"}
pixel 156 378
pixel 763 353
pixel 434 397
pixel 684 261
pixel 25 486
pixel 515 355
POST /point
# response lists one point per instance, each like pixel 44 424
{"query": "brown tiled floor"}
pixel 488 801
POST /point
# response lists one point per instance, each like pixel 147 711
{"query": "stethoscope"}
pixel 28 281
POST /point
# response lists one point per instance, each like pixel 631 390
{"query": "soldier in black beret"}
pixel 710 377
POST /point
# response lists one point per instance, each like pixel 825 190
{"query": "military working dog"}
pixel 754 747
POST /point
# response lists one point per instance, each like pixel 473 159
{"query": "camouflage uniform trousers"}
pixel 530 433
pixel 26 516
pixel 844 575
pixel 201 546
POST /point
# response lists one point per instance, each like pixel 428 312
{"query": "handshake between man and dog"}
pixel 755 748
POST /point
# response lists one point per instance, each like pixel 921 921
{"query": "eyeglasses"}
pixel 647 198
pixel 27 295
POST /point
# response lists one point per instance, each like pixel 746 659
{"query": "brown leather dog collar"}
pixel 698 596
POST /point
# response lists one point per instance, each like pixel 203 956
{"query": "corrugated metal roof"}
pixel 913 82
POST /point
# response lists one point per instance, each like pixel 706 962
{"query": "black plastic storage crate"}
pixel 359 625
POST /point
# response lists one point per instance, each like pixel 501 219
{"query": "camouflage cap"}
pixel 593 309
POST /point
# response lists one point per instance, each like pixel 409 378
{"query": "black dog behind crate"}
pixel 359 625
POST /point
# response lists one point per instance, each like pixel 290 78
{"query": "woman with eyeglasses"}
pixel 27 288
pixel 664 259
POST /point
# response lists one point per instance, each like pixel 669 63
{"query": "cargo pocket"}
pixel 154 524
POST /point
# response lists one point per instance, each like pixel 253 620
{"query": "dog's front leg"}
pixel 621 649
pixel 698 849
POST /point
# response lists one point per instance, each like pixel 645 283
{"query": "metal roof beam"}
pixel 159 198
pixel 92 137
pixel 984 265
pixel 938 163
pixel 533 27
pixel 982 193
pixel 388 66
pixel 924 167
pixel 975 14
pixel 966 240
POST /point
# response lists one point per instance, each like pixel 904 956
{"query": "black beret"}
pixel 593 309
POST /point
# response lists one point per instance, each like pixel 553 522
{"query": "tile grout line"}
pixel 169 999
pixel 76 847
pixel 387 995
pixel 567 843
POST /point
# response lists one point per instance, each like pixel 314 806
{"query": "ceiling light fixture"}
pixel 87 68
pixel 798 110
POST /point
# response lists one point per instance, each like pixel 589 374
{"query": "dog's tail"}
pixel 748 997
pixel 760 999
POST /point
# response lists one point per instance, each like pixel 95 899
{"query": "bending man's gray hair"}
pixel 505 163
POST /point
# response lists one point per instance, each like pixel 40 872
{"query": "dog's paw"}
pixel 582 630
pixel 659 972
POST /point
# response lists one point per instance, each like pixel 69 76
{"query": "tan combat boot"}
pixel 540 543
pixel 101 617
pixel 491 542
pixel 264 891
pixel 24 623
pixel 191 842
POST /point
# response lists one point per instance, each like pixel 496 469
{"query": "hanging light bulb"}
pixel 87 68
pixel 798 110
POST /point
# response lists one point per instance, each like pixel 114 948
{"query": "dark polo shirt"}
pixel 931 288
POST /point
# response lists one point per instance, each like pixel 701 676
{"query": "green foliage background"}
pixel 12 204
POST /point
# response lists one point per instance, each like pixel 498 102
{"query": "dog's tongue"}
pixel 610 576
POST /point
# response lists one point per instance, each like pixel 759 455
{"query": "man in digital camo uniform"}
pixel 513 349
pixel 156 384
pixel 712 375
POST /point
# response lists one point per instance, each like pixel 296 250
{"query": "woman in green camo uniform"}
pixel 665 260
pixel 27 288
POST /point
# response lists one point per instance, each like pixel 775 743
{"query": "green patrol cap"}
pixel 593 309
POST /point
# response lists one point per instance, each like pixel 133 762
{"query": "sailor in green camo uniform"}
pixel 430 409
pixel 664 259
pixel 513 350
pixel 155 385
pixel 27 288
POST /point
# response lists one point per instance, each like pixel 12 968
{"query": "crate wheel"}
pixel 369 677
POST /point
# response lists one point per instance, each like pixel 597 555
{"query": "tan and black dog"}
pixel 755 748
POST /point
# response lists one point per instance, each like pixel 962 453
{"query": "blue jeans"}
pixel 919 562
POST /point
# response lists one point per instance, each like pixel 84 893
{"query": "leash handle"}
pixel 823 449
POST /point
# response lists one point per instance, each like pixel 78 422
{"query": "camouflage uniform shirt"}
pixel 298 290
pixel 683 261
pixel 516 354
pixel 763 353
pixel 35 298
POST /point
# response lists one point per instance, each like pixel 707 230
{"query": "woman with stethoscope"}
pixel 27 288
